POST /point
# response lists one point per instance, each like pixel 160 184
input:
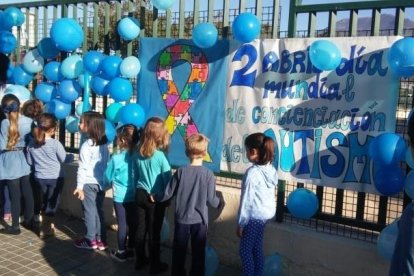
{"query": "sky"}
pixel 322 18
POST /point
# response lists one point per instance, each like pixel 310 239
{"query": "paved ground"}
pixel 26 254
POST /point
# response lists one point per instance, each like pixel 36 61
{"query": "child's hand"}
pixel 79 193
pixel 239 231
pixel 151 198
pixel 69 158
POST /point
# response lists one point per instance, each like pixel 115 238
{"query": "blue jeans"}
pixel 125 216
pixel 50 194
pixel 93 213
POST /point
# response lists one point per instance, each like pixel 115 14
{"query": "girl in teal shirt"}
pixel 118 175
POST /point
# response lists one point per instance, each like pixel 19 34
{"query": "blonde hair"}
pixel 196 146
pixel 154 137
pixel 11 105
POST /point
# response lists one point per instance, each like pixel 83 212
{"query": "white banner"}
pixel 322 121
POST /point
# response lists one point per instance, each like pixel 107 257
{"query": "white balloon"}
pixel 130 67
pixel 33 62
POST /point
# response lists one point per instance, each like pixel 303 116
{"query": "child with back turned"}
pixel 118 176
pixel 194 187
pixel 45 155
pixel 152 172
pixel 402 262
pixel 14 169
pixel 93 159
pixel 257 203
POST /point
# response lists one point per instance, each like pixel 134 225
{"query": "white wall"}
pixel 304 251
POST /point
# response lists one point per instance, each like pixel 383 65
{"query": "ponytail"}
pixel 39 136
pixel 14 134
pixel 263 144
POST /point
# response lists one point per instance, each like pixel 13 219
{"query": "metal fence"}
pixel 342 212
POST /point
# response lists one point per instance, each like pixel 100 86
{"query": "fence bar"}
pixel 276 19
pixel 353 23
pixel 312 24
pixel 181 19
pixel 332 24
pixel 375 24
pixel 399 21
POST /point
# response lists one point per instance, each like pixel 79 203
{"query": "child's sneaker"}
pixel 102 246
pixel 85 244
pixel 119 256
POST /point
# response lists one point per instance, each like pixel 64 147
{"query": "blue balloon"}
pixel 67 34
pixel 33 62
pixel 47 48
pixel 60 109
pixel 273 265
pixel 324 55
pixel 119 89
pixel 205 35
pixel 387 149
pixel 21 77
pixel 81 79
pixel 79 108
pixel 386 241
pixel 165 231
pixel 6 22
pixel 409 184
pixel 52 71
pixel 132 113
pixel 21 92
pixel 112 112
pixel 45 91
pixel 69 90
pixel 98 85
pixel 110 131
pixel 401 57
pixel 110 67
pixel 72 124
pixel 162 4
pixel 9 73
pixel 72 67
pixel 211 261
pixel 389 180
pixel 302 203
pixel 92 61
pixel 7 42
pixel 409 158
pixel 246 27
pixel 128 28
pixel 16 15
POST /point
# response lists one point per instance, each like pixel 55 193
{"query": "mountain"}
pixel 387 22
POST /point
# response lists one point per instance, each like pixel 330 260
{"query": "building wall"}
pixel 304 251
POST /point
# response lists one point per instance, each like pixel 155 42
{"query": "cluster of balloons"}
pixel 9 18
pixel 387 150
pixel 302 203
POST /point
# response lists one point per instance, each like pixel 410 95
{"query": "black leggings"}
pixel 17 188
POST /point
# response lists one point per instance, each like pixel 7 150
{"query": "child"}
pixel 14 169
pixel 402 262
pixel 153 172
pixel 33 109
pixel 194 186
pixel 93 159
pixel 257 203
pixel 117 175
pixel 46 154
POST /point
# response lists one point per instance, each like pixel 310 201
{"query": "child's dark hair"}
pixel 10 105
pixel 265 147
pixel 32 108
pixel 95 123
pixel 128 137
pixel 45 123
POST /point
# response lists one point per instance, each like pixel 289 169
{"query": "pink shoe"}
pixel 101 245
pixel 85 244
pixel 7 217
